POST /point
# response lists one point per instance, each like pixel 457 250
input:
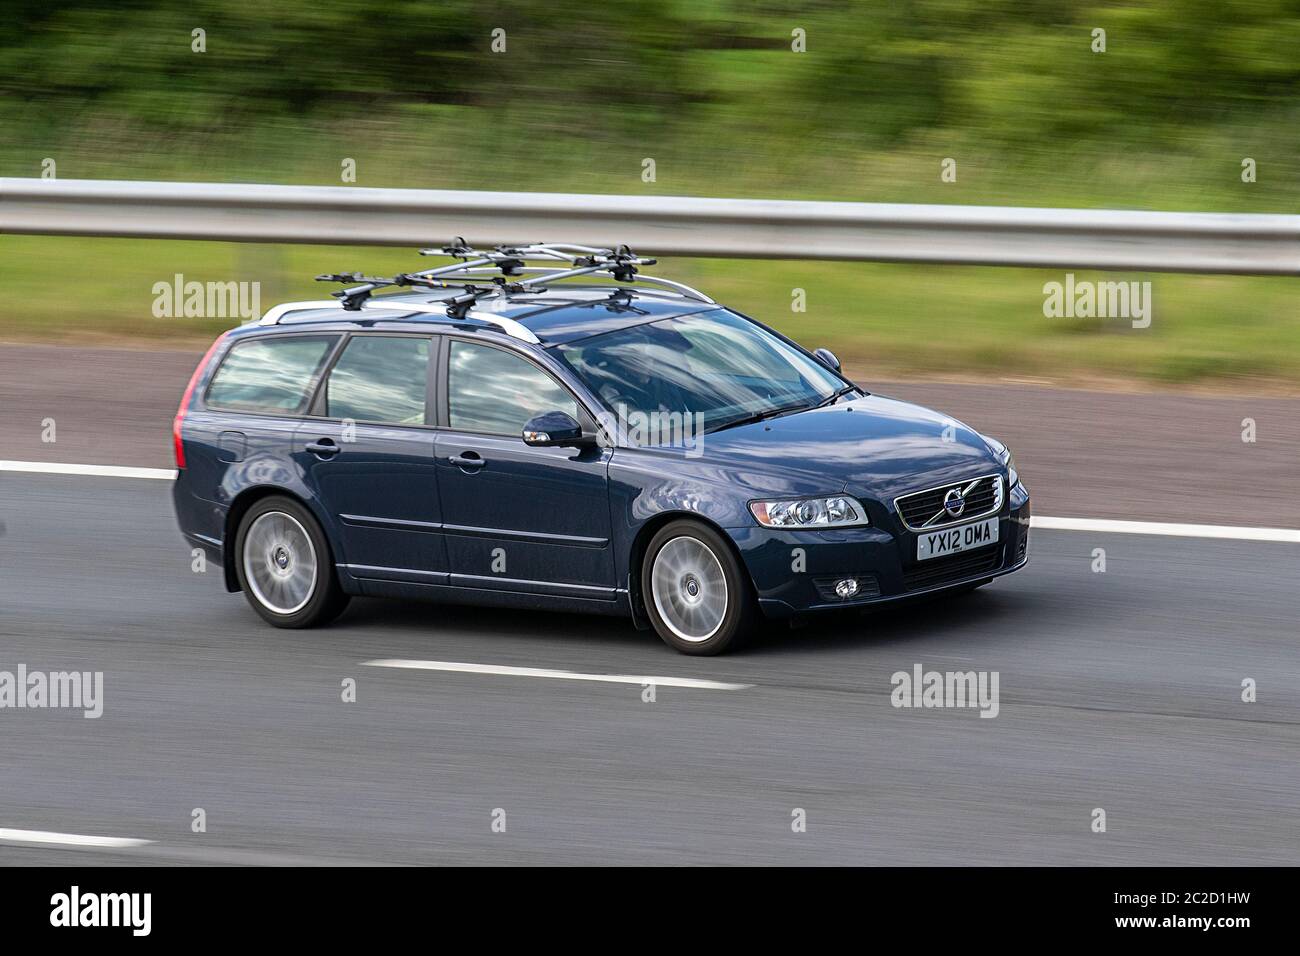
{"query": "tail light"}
pixel 179 420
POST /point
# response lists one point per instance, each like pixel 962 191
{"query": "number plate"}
pixel 937 544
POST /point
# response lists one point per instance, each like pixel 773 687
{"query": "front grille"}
pixel 925 509
pixel 967 564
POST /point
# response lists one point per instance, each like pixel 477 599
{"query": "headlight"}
pixel 839 511
pixel 1007 461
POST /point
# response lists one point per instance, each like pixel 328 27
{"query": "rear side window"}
pixel 380 379
pixel 275 375
pixel 495 392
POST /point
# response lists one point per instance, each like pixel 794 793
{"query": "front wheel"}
pixel 696 593
pixel 284 565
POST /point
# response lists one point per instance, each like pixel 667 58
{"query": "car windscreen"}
pixel 716 366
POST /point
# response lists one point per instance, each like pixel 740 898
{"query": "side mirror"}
pixel 827 358
pixel 554 429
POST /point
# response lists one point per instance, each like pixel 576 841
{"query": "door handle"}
pixel 468 460
pixel 325 448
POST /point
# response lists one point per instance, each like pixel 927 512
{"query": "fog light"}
pixel 846 588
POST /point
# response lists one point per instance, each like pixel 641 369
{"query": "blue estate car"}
pixel 531 441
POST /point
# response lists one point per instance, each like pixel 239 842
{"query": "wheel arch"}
pixel 240 507
pixel 641 544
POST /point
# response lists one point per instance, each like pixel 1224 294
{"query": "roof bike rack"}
pixel 510 274
pixel 510 263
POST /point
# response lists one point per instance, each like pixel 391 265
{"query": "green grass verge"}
pixel 883 319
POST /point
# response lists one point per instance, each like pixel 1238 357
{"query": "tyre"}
pixel 696 594
pixel 285 567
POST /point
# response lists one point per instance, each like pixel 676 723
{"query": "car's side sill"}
pixel 483 581
pixel 618 605
pixel 480 583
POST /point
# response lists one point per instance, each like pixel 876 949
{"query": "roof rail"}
pixel 509 272
pixel 516 330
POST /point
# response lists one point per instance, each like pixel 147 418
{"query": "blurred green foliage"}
pixel 712 90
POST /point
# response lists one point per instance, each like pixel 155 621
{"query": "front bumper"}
pixel 793 570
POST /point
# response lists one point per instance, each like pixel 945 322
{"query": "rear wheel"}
pixel 696 593
pixel 284 565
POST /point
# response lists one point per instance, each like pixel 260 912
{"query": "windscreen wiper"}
pixel 832 399
pixel 758 417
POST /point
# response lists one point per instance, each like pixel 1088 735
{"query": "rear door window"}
pixel 273 375
pixel 380 378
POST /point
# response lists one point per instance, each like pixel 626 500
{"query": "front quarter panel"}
pixel 646 483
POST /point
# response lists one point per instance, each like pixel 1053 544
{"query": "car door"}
pixel 516 517
pixel 367 452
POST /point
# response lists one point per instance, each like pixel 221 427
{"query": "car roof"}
pixel 555 316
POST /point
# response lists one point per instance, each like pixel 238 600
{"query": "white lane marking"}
pixel 1289 535
pixel 556 675
pixel 1100 525
pixel 67 839
pixel 98 471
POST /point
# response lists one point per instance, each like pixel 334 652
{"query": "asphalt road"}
pixel 1118 690
pixel 1092 454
